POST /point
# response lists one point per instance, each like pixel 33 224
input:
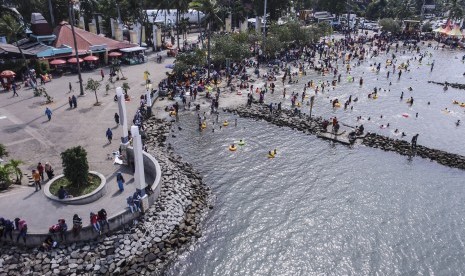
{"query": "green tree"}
pixel 75 166
pixel 232 47
pixel 390 25
pixel 376 9
pixel 211 10
pixel 334 6
pixel 427 27
pixel 185 61
pixel 93 86
pixel 14 164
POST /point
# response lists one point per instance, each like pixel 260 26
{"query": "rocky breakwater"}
pixel 303 123
pixel 283 118
pixel 405 148
pixel 453 85
pixel 144 248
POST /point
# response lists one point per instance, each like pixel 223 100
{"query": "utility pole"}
pixel 71 15
pixel 50 9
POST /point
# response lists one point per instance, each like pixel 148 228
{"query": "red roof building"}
pixel 86 41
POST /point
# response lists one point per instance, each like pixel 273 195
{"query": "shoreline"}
pixel 148 246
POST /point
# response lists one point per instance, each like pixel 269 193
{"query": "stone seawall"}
pixel 303 123
pixel 144 248
pixel 453 85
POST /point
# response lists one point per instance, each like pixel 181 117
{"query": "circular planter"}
pixel 80 200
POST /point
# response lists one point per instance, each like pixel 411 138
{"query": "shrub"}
pixel 3 151
pixel 75 166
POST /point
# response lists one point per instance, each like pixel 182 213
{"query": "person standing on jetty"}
pixel 414 141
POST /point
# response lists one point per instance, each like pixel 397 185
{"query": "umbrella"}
pixel 438 30
pixel 115 54
pixel 446 30
pixel 455 32
pixel 57 62
pixel 7 74
pixel 169 66
pixel 73 60
pixel 91 58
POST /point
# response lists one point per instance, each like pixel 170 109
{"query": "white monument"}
pixel 139 174
pixel 124 123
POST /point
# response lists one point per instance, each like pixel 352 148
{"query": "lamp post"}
pixel 71 16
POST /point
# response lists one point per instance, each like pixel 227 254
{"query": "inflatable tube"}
pixel 298 104
pixel 172 113
pixel 225 123
pixel 204 125
pixel 232 148
pixel 462 105
pixel 239 93
pixel 445 111
pixel 241 143
pixel 337 105
pixel 406 115
pixel 375 97
pixel 272 154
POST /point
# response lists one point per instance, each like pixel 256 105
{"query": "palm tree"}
pixel 456 10
pixel 13 165
pixel 12 27
pixel 5 173
pixel 93 86
pixel 211 9
pixel 181 7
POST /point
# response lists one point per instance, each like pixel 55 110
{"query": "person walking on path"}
pixel 36 178
pixel 14 89
pixel 116 119
pixel 70 88
pixel 40 169
pixel 70 101
pixel 109 135
pixel 102 74
pixel 48 112
pixel 74 99
pixel 120 180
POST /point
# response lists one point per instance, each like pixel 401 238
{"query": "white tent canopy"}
pixel 133 49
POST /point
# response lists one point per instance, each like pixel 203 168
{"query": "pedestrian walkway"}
pixel 30 137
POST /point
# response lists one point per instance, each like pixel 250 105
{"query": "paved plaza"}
pixel 30 137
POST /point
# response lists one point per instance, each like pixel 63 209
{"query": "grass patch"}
pixel 93 182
